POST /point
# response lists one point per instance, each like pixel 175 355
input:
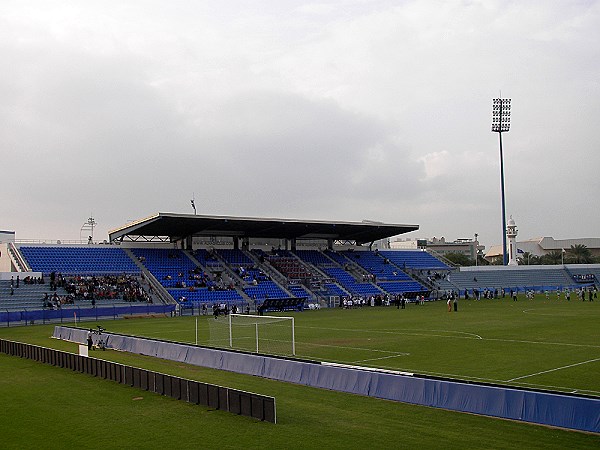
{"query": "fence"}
pixel 547 408
pixel 235 401
pixel 75 314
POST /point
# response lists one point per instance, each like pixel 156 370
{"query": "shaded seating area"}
pixel 350 284
pixel 207 258
pixel 378 265
pixel 171 267
pixel 251 274
pixel 265 290
pixel 388 276
pixel 333 290
pixel 289 266
pixel 403 287
pixel 413 259
pixel 337 257
pixel 186 282
pixel 316 258
pixel 198 297
pixel 281 304
pixel 234 257
pixel 298 290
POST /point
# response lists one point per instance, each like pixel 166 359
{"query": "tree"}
pixel 459 259
pixel 482 261
pixel 554 257
pixel 580 254
pixel 528 258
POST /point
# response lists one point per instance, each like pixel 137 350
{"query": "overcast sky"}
pixel 336 110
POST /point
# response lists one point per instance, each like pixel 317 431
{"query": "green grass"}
pixel 543 344
pixel 495 340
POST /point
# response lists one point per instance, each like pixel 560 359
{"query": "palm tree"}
pixel 459 259
pixel 528 258
pixel 580 254
pixel 554 257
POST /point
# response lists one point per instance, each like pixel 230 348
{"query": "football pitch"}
pixel 540 343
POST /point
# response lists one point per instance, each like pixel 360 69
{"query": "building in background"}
pixel 511 235
pixel 6 238
pixel 543 245
pixel 467 247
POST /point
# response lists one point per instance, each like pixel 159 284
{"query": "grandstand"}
pixel 171 267
pixel 378 265
pixel 235 257
pixel 203 296
pixel 414 259
pixel 316 258
pixel 107 272
pixel 27 296
pixel 334 264
pixel 298 291
pixel 348 282
pixel 265 290
pixel 518 278
pixel 78 260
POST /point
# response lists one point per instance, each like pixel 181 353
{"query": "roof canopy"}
pixel 180 226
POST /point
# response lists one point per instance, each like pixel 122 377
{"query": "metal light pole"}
pixel 476 249
pixel 501 123
pixel 193 202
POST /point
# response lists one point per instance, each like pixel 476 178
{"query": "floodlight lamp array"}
pixel 501 115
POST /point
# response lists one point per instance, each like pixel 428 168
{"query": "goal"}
pixel 258 334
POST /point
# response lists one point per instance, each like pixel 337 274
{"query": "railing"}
pixel 158 289
pixel 17 258
pixel 50 241
pixel 441 258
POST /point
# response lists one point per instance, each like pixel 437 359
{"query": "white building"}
pixel 511 234
pixel 543 245
pixel 467 247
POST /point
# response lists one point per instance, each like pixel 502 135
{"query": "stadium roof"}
pixel 180 226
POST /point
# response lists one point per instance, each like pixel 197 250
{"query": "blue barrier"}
pixel 555 409
pixel 76 313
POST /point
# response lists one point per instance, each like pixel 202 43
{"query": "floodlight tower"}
pixel 193 202
pixel 501 123
pixel 88 227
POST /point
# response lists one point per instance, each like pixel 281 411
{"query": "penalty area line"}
pixel 382 357
pixel 553 370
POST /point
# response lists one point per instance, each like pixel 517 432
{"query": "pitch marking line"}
pixel 553 370
pixel 354 348
pixel 451 336
pixel 520 341
pixel 383 357
pixel 427 333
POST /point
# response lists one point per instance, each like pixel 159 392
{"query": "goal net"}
pixel 258 334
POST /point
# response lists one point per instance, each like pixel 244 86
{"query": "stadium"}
pixel 349 274
pixel 372 332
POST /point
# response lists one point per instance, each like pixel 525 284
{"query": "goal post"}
pixel 258 334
